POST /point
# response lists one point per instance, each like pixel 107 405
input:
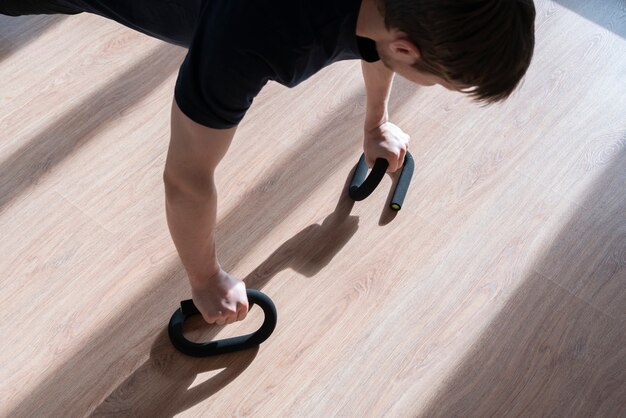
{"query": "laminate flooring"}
pixel 498 290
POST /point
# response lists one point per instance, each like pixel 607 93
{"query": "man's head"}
pixel 481 47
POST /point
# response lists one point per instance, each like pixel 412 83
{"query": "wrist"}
pixel 209 274
pixel 374 119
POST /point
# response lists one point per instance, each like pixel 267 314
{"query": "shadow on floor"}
pixel 558 347
pixel 167 375
pixel 18 32
pixel 292 179
pixel 610 14
pixel 41 154
pixel 161 387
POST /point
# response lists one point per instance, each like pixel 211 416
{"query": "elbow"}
pixel 187 187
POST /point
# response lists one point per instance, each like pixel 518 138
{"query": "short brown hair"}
pixel 485 45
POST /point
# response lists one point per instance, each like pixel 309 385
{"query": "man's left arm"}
pixel 382 139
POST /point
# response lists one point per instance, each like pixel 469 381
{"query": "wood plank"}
pixel 546 353
pixel 497 290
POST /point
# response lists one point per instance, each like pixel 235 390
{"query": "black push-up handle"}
pixel 361 187
pixel 228 345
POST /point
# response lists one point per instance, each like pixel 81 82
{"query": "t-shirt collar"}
pixel 367 49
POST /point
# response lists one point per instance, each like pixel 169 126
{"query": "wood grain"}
pixel 498 290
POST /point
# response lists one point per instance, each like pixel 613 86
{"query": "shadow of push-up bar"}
pixel 167 376
pixel 291 182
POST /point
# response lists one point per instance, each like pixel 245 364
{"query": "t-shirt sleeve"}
pixel 221 74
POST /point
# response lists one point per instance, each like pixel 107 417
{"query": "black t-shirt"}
pixel 237 46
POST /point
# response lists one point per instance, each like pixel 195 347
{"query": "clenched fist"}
pixel 221 299
pixel 386 141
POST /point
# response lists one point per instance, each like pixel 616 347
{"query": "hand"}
pixel 221 299
pixel 386 141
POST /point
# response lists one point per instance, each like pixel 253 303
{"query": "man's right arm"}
pixel 191 207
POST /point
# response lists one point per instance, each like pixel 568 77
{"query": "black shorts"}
pixel 37 7
pixel 172 21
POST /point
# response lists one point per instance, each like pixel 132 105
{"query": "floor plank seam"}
pixel 84 213
pixel 553 190
pixel 434 224
pixel 479 251
pixel 611 317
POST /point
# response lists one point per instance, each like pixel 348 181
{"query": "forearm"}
pixel 191 219
pixel 378 80
pixel 190 194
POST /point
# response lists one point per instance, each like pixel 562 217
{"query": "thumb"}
pixel 242 312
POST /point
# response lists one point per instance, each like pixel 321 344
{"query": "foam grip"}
pixel 360 186
pixel 228 345
pixel 403 183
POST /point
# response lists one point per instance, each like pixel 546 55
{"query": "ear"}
pixel 404 50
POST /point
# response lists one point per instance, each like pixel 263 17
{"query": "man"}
pixel 477 47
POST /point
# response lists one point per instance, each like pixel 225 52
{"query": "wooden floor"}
pixel 498 290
